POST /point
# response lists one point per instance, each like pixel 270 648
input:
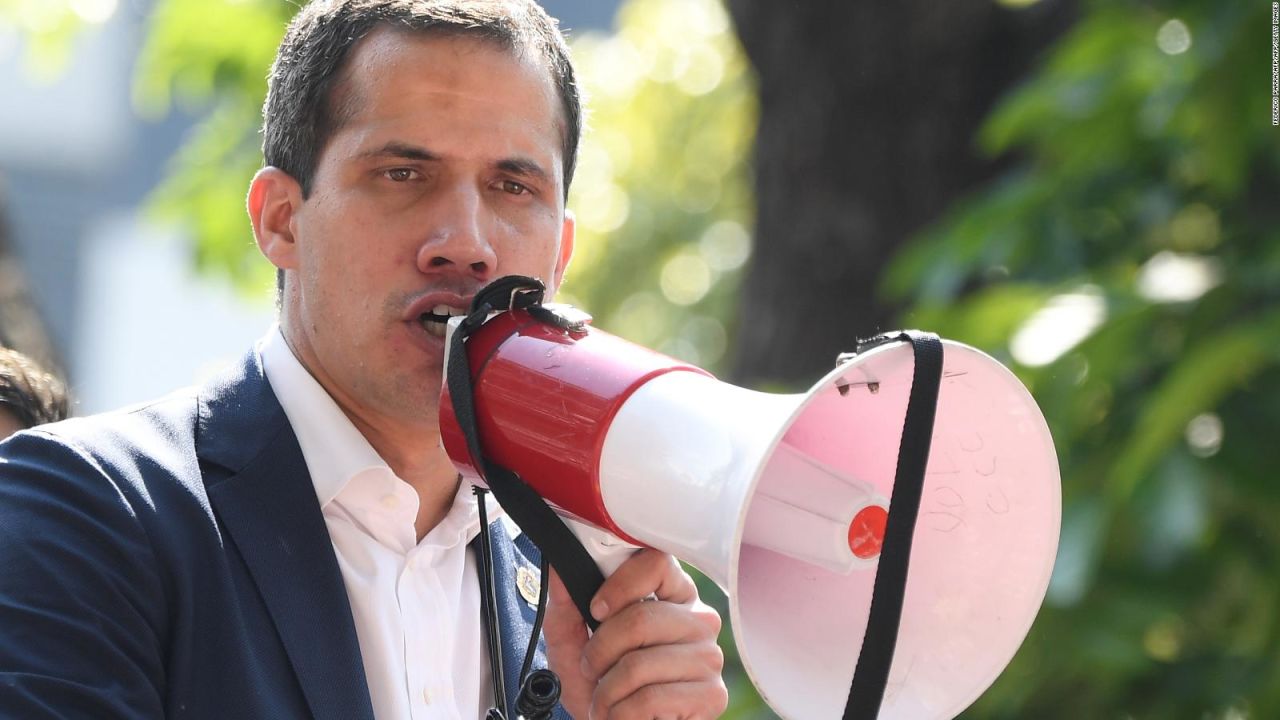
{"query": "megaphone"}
pixel 782 499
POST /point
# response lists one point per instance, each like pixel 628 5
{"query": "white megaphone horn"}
pixel 782 499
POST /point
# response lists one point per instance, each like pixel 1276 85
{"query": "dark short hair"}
pixel 32 395
pixel 301 112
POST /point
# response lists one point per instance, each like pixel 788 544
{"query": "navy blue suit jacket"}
pixel 171 561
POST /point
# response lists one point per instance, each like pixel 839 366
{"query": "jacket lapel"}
pixel 262 494
pixel 516 582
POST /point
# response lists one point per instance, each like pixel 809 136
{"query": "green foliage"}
pixel 211 57
pixel 1129 270
pixel 662 195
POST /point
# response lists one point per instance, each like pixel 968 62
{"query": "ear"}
pixel 274 201
pixel 567 233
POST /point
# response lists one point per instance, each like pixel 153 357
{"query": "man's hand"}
pixel 651 658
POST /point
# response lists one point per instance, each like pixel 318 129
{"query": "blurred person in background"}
pixel 291 540
pixel 29 395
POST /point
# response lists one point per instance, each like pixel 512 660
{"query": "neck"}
pixel 423 464
pixel 409 444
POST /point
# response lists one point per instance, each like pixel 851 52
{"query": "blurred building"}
pixel 129 317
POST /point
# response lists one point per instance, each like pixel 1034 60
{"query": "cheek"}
pixel 531 243
pixel 331 269
pixel 525 253
pixel 337 244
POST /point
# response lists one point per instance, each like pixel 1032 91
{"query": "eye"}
pixel 514 188
pixel 400 174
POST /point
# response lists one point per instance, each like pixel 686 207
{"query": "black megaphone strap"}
pixel 866 692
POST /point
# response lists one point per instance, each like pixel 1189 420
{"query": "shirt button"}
pixel 390 502
pixel 426 696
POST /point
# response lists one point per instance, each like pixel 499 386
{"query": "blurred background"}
pixel 1087 190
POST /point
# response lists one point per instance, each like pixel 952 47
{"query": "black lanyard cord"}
pixel 544 579
pixel 489 609
pixel 539 690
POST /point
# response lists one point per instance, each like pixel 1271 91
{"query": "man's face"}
pixel 447 174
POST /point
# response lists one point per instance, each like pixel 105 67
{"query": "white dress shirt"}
pixel 416 605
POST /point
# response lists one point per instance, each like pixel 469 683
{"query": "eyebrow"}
pixel 518 165
pixel 525 167
pixel 401 150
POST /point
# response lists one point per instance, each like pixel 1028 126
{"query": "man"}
pixel 29 395
pixel 291 541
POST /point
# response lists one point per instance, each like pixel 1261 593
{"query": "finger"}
pixel 566 635
pixel 703 700
pixel 660 665
pixel 647 624
pixel 648 572
pixel 563 623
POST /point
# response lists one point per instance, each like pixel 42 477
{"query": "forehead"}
pixel 403 76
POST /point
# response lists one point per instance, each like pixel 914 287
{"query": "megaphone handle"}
pixel 604 547
pixel 866 692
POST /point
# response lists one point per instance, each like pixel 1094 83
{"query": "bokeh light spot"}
pixel 708 335
pixel 641 318
pixel 702 73
pixel 685 279
pixel 681 349
pixel 725 245
pixel 94 11
pixel 1171 277
pixel 618 66
pixel 603 208
pixel 1173 37
pixel 1204 435
pixel 1063 322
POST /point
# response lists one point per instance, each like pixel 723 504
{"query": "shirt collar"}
pixel 332 447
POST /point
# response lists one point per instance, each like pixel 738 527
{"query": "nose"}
pixel 457 239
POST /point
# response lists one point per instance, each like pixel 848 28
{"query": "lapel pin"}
pixel 528 583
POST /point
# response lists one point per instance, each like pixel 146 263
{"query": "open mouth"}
pixel 435 320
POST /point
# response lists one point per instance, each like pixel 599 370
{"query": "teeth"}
pixel 436 327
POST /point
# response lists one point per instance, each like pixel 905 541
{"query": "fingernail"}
pixel 599 609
